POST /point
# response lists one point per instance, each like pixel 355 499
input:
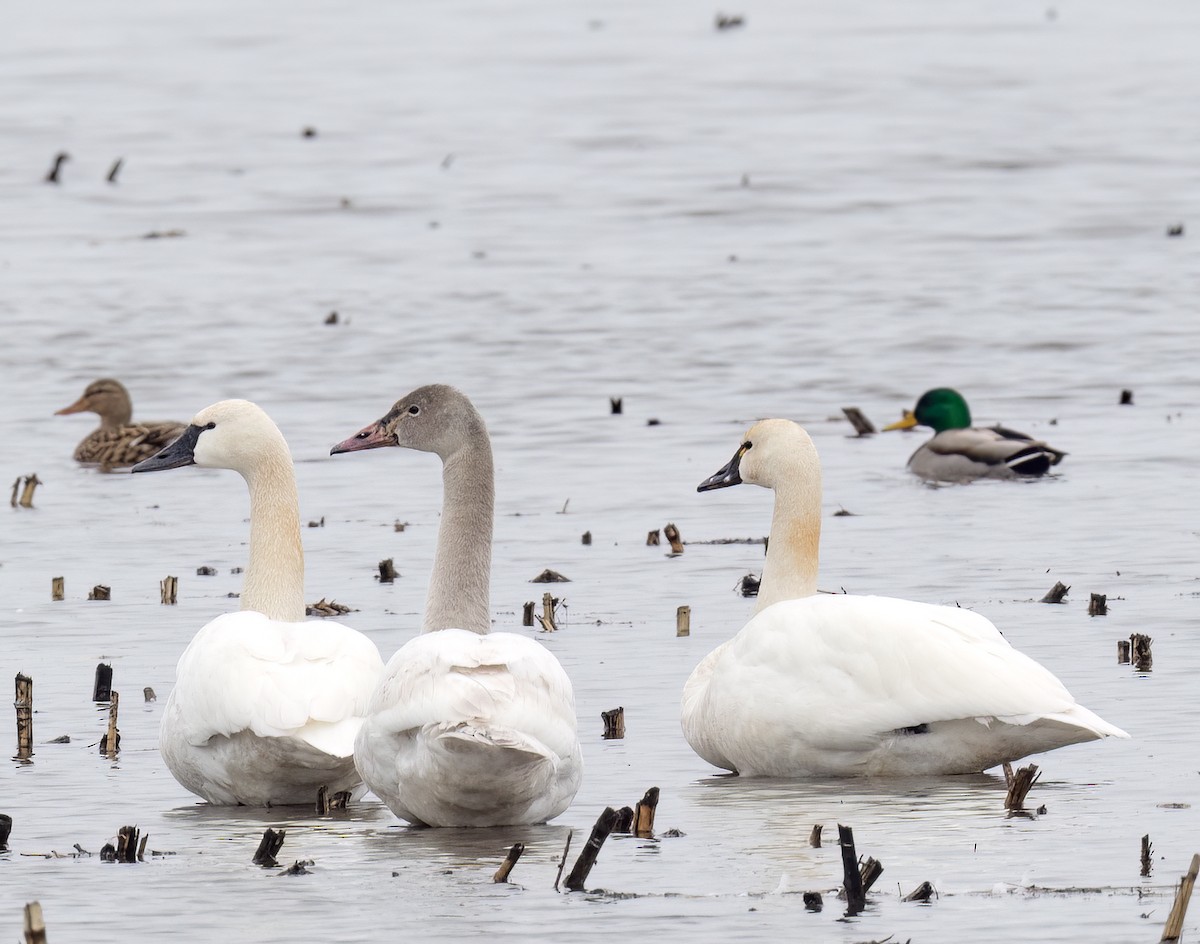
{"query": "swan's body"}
pixel 265 706
pixel 467 728
pixel 960 452
pixel 118 441
pixel 838 685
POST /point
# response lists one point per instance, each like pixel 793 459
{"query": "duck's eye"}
pixel 414 410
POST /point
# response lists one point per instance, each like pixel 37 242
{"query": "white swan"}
pixel 467 728
pixel 837 685
pixel 265 706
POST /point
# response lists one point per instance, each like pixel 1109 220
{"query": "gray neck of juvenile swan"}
pixel 274 583
pixel 793 552
pixel 460 588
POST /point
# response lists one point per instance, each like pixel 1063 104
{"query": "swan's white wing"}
pixel 500 679
pixel 245 672
pixel 836 673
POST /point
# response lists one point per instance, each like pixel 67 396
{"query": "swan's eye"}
pixel 363 434
pixel 210 425
pixel 414 410
pixel 746 445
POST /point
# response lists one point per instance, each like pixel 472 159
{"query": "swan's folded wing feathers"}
pixel 244 671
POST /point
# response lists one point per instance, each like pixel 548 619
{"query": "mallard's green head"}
pixel 942 408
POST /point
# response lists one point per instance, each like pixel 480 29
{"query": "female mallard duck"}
pixel 468 727
pixel 119 441
pixel 266 706
pixel 959 452
pixel 838 685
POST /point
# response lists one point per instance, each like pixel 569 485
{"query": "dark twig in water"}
pixel 1140 652
pixel 922 892
pixel 514 854
pixel 591 850
pixel 1098 605
pixel 851 876
pixel 814 838
pixel 1173 930
pixel 1147 852
pixel 643 814
pixel 268 848
pixel 614 723
pixel 862 425
pixel 102 688
pixel 1019 783
pixel 1056 593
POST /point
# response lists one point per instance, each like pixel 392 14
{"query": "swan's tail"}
pixel 476 765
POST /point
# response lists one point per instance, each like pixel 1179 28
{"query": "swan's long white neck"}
pixel 793 552
pixel 460 588
pixel 274 583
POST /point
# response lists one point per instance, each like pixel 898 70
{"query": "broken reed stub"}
pixel 852 886
pixel 652 539
pixel 24 705
pixel 814 838
pixel 1126 398
pixel 1020 782
pixel 591 850
pixel 127 844
pixel 614 723
pixel 148 694
pixel 1098 605
pixel 550 576
pixel 102 688
pixel 1123 651
pixel 110 741
pixel 1056 593
pixel 206 571
pixel 168 590
pixel 643 814
pixel 35 924
pixel 327 802
pixel 1147 853
pixel 813 901
pixel 615 406
pixel 862 425
pixel 1173 930
pixel 510 860
pixel 5 829
pixel 587 538
pixel 527 613
pixel 31 482
pixel 624 823
pixel 268 848
pixel 57 588
pixel 546 617
pixel 387 571
pixel 100 592
pixel 671 533
pixel 1140 654
pixel 683 621
pixel 748 585
pixel 922 892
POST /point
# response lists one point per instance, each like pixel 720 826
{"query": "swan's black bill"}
pixel 175 456
pixel 725 476
pixel 374 436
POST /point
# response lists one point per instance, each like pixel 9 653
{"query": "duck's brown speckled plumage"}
pixel 119 441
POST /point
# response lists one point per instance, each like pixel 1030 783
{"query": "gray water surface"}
pixel 548 205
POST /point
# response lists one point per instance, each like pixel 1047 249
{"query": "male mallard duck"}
pixel 119 441
pixel 468 727
pixel 266 705
pixel 959 452
pixel 840 685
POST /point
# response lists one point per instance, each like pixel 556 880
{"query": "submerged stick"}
pixel 35 924
pixel 168 588
pixel 1123 651
pixel 563 861
pixel 527 615
pixel 1056 593
pixel 1140 652
pixel 643 814
pixel 387 570
pixel 614 723
pixel 1098 605
pixel 591 850
pixel 862 425
pixel 102 689
pixel 24 706
pixel 268 848
pixel 1019 785
pixel 587 537
pixel 514 854
pixel 814 838
pixel 110 742
pixel 1147 852
pixel 851 876
pixel 683 621
pixel 1173 930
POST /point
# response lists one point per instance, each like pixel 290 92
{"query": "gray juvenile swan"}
pixel 265 706
pixel 841 685
pixel 468 727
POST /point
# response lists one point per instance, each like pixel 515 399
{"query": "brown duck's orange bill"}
pixel 77 407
